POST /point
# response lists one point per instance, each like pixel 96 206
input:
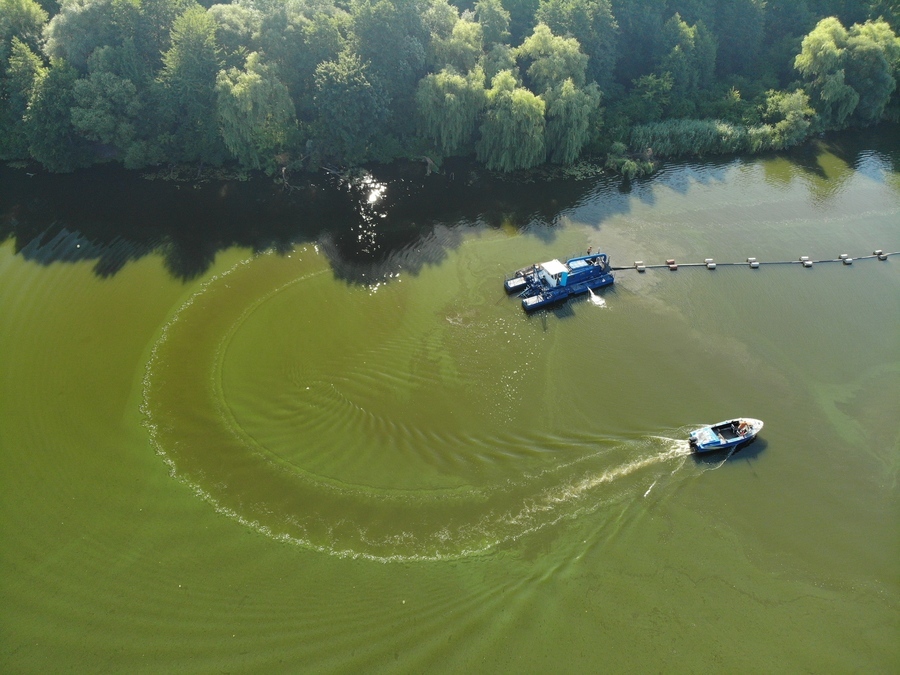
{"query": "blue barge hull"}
pixel 553 281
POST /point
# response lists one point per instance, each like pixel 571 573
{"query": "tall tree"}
pixel 22 19
pixel 494 20
pixel 739 27
pixel 52 139
pixel 551 59
pixel 872 68
pixel 23 70
pixel 591 22
pixel 189 77
pixel 512 133
pixel 690 57
pixel 462 49
pixel 255 112
pixel 573 116
pixel 350 107
pixel 640 23
pixel 449 107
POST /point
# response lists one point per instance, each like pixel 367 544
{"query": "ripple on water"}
pixel 364 437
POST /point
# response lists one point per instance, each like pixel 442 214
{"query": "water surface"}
pixel 244 429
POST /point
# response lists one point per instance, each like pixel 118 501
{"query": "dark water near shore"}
pixel 248 428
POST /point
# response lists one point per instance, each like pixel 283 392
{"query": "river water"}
pixel 245 428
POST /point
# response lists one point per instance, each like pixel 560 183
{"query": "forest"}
pixel 293 85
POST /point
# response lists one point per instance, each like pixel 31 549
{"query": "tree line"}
pixel 280 85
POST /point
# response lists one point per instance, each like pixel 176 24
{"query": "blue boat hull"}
pixel 550 282
pixel 725 435
pixel 551 296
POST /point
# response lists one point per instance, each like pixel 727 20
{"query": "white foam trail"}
pixel 650 488
pixel 597 300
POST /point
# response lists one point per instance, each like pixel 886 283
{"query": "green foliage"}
pixel 739 26
pixel 256 114
pixel 640 24
pixel 872 68
pixel 264 82
pixel 83 26
pixel 674 138
pixel 461 49
pixel 849 74
pixel 501 57
pixel 350 107
pixel 23 71
pixel 573 116
pixel 23 20
pixel 791 115
pixel 591 22
pixel 629 166
pixel 106 107
pixel 494 20
pixel 189 73
pixel 551 59
pixel 647 100
pixel 512 133
pixel 236 29
pixel 52 139
pixel 390 36
pixel 691 56
pixel 449 106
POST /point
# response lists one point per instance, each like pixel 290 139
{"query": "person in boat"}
pixel 743 428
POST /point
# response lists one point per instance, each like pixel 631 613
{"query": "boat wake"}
pixel 295 456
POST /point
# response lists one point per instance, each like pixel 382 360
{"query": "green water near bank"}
pixel 283 464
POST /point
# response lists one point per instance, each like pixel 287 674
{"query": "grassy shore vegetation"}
pixel 280 85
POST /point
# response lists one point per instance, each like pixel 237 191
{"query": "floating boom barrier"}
pixel 753 263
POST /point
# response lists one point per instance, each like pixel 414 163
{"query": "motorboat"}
pixel 725 435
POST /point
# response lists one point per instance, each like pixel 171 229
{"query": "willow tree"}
pixel 255 111
pixel 462 49
pixel 449 106
pixel 573 114
pixel 821 63
pixel 512 133
pixel 551 59
pixel 849 73
pixel 872 68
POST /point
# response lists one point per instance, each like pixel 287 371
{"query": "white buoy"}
pixel 710 265
pixel 804 258
pixel 638 263
pixel 882 256
pixel 877 252
pixel 847 261
pixel 807 262
pixel 751 260
pixel 708 260
pixel 754 264
pixel 843 256
pixel 641 268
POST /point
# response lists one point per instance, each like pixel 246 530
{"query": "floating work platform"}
pixel 552 281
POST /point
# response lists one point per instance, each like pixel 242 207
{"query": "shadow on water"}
pixel 748 451
pixel 369 225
